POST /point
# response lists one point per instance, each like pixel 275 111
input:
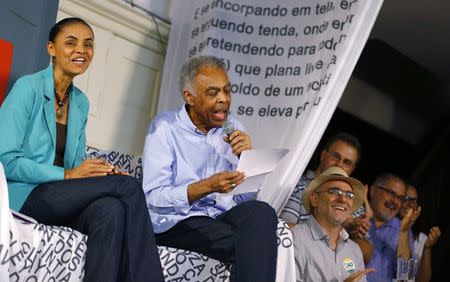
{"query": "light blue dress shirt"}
pixel 385 242
pixel 177 154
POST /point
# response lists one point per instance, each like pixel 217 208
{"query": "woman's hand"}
pixel 367 208
pixel 433 236
pixel 117 171
pixel 409 219
pixel 89 168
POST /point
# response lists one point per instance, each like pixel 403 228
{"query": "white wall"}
pixel 159 7
pixel 122 82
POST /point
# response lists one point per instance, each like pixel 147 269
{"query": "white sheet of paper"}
pixel 256 164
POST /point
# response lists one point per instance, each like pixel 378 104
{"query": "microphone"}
pixel 227 128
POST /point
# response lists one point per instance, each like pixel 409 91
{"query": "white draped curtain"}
pixel 315 45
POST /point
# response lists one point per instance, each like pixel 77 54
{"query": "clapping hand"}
pixel 357 227
pixel 433 236
pixel 410 218
pixel 368 214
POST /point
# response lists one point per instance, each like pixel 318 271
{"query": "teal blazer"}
pixel 28 134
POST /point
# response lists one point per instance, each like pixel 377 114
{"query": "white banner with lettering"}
pixel 288 61
pixel 33 252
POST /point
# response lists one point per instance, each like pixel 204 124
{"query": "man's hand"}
pixel 239 142
pixel 89 168
pixel 357 228
pixel 225 181
pixel 409 219
pixel 221 182
pixel 368 212
pixel 359 274
pixel 433 236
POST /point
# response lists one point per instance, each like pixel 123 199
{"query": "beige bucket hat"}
pixel 335 173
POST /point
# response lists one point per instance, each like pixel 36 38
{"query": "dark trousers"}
pixel 244 236
pixel 112 211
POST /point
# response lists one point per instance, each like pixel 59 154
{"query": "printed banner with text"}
pixel 288 62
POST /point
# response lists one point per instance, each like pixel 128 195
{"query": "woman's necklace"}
pixel 60 104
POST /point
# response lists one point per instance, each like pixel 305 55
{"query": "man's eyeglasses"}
pixel 337 157
pixel 338 192
pixel 411 200
pixel 401 198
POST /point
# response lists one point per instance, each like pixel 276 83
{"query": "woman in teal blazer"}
pixel 27 122
pixel 42 148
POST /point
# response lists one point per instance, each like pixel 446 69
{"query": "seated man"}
pixel 323 249
pixel 390 237
pixel 188 165
pixel 342 150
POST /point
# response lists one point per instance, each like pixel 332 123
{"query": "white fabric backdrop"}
pixel 307 49
pixel 34 252
pixel 30 251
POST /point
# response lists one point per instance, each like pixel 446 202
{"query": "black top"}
pixel 61 135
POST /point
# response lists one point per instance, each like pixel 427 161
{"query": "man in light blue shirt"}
pixel 390 237
pixel 188 166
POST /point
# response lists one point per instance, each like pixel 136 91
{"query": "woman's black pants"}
pixel 112 211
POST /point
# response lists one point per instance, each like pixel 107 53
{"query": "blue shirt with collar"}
pixel 385 242
pixel 177 154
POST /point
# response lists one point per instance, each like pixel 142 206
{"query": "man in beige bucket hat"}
pixel 323 249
